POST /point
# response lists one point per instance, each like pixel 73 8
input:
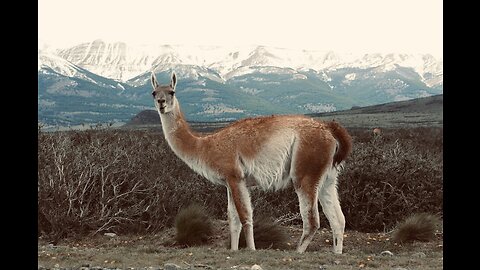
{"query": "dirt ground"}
pixel 361 251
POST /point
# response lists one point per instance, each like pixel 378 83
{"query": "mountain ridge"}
pixel 122 62
pixel 432 105
pixel 232 84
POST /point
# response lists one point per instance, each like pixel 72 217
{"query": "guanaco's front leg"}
pixel 240 212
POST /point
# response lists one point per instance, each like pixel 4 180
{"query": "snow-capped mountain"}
pixel 100 81
pixel 50 63
pixel 123 62
pixel 69 94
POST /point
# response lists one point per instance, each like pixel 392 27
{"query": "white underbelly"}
pixel 270 169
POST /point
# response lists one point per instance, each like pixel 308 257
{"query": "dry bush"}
pixel 389 177
pixel 267 234
pixel 193 226
pixel 90 181
pixel 120 181
pixel 417 227
pixel 385 179
pixel 96 181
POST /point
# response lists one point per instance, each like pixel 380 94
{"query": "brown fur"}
pixel 237 199
pixel 246 136
pixel 316 146
pixel 184 138
pixel 344 141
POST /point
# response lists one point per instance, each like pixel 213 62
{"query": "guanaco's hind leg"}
pixel 307 198
pixel 328 197
pixel 240 213
pixel 233 222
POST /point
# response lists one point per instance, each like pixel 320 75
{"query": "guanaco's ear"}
pixel 173 83
pixel 154 80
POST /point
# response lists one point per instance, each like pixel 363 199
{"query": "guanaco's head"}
pixel 164 95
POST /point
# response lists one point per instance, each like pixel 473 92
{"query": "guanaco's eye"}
pixel 171 93
pixel 153 93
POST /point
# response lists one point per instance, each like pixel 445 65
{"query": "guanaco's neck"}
pixel 178 133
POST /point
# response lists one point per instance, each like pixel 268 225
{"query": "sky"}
pixel 356 26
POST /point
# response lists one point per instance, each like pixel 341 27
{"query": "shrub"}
pixel 267 234
pixel 417 227
pixel 122 181
pixel 193 226
pixel 386 178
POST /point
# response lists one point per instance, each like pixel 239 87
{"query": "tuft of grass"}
pixel 193 226
pixel 267 234
pixel 418 227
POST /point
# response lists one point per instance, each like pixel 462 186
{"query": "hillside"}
pixel 146 117
pixel 99 82
pixel 421 112
pixel 432 104
pixel 426 111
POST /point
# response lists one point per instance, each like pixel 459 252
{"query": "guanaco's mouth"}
pixel 162 109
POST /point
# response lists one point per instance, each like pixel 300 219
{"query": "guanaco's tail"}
pixel 344 142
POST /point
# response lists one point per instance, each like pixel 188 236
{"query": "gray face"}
pixel 164 95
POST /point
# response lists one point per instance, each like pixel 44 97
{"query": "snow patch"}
pixel 320 107
pixel 400 98
pixel 217 109
pixel 252 91
pixel 392 85
pixel 350 76
pixel 206 91
pixel 42 103
pixel 299 77
pixel 423 93
pixel 200 83
pixel 210 99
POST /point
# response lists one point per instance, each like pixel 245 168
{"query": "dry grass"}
pixel 361 250
pixel 418 227
pixel 267 235
pixel 193 226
